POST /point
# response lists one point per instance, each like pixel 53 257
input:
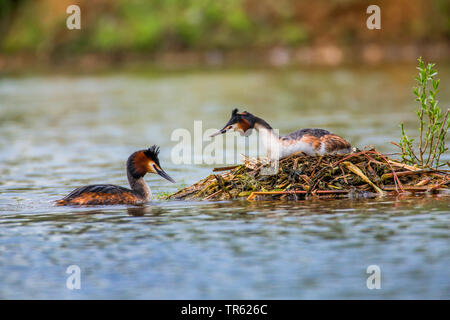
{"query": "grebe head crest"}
pixel 242 122
pixel 146 161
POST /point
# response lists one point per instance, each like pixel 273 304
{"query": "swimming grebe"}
pixel 138 164
pixel 308 141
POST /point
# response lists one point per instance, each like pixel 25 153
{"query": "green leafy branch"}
pixel 433 123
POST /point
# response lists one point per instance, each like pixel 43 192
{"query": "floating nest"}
pixel 360 174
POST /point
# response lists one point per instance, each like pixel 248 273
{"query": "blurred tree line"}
pixel 39 26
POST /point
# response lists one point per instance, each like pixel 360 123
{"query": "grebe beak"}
pixel 163 174
pixel 218 132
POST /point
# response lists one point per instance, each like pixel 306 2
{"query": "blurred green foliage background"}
pixel 39 26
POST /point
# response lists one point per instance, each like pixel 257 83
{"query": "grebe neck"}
pixel 269 138
pixel 139 186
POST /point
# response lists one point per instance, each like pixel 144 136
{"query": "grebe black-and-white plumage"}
pixel 138 164
pixel 308 141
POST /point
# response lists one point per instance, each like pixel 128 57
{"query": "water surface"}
pixel 61 132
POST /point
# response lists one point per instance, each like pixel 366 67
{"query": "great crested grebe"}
pixel 138 164
pixel 308 141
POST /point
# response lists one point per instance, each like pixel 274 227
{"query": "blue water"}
pixel 58 133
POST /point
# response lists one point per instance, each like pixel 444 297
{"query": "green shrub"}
pixel 433 122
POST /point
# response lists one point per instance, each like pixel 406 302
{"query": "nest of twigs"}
pixel 364 173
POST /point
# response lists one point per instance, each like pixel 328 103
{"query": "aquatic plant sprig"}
pixel 433 122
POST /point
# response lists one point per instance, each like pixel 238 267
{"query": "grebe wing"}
pixel 97 188
pixel 296 135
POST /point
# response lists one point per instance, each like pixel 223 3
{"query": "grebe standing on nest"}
pixel 138 164
pixel 309 141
